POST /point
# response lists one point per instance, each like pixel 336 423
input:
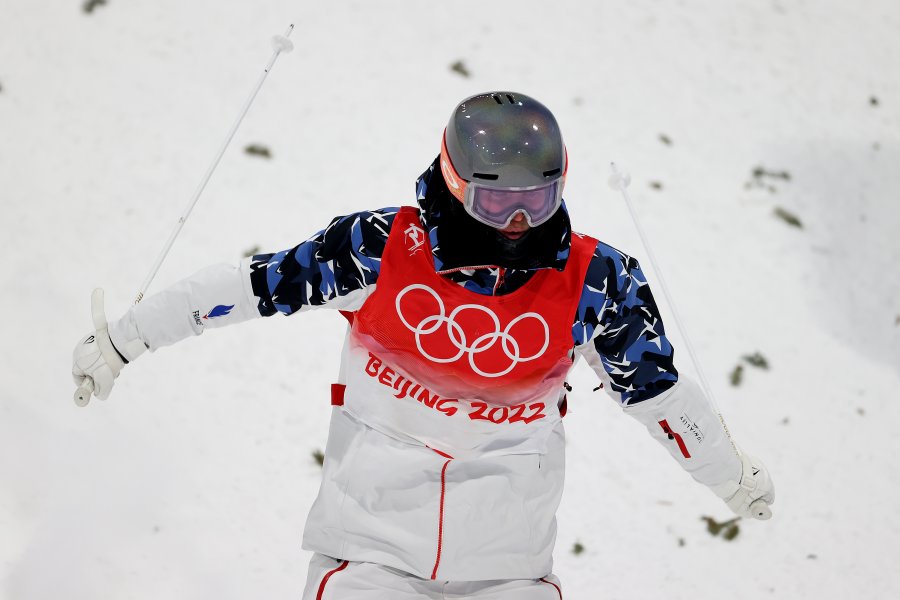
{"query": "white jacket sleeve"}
pixel 213 297
pixel 684 422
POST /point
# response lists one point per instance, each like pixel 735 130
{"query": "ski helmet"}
pixel 503 154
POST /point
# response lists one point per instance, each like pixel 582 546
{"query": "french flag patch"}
pixel 219 311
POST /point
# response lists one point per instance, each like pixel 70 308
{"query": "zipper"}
pixel 501 274
pixel 440 541
pixel 674 436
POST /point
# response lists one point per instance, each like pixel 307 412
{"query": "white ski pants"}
pixel 333 579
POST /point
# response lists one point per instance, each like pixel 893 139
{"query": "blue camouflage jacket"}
pixel 617 327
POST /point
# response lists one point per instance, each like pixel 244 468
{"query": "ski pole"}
pixel 619 180
pixel 280 43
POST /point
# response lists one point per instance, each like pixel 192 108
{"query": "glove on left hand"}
pixel 752 495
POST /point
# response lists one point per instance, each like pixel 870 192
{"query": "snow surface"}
pixel 194 479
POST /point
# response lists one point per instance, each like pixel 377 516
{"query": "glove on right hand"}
pixel 95 362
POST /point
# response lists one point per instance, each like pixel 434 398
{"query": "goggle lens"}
pixel 497 207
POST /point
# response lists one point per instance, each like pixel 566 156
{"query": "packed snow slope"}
pixel 194 479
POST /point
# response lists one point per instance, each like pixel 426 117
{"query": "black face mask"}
pixel 466 242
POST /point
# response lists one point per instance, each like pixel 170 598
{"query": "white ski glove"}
pixel 95 361
pixel 93 368
pixel 752 495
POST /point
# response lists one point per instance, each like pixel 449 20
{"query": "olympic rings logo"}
pixel 431 324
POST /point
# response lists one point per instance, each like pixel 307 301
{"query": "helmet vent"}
pixel 499 99
pixel 552 172
pixel 489 176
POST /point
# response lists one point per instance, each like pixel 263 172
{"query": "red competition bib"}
pixel 503 350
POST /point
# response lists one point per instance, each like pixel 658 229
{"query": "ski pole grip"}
pixel 84 391
pixel 98 316
pixel 760 510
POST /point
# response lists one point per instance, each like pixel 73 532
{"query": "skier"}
pixel 444 464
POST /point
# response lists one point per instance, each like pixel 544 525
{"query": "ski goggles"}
pixel 496 206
